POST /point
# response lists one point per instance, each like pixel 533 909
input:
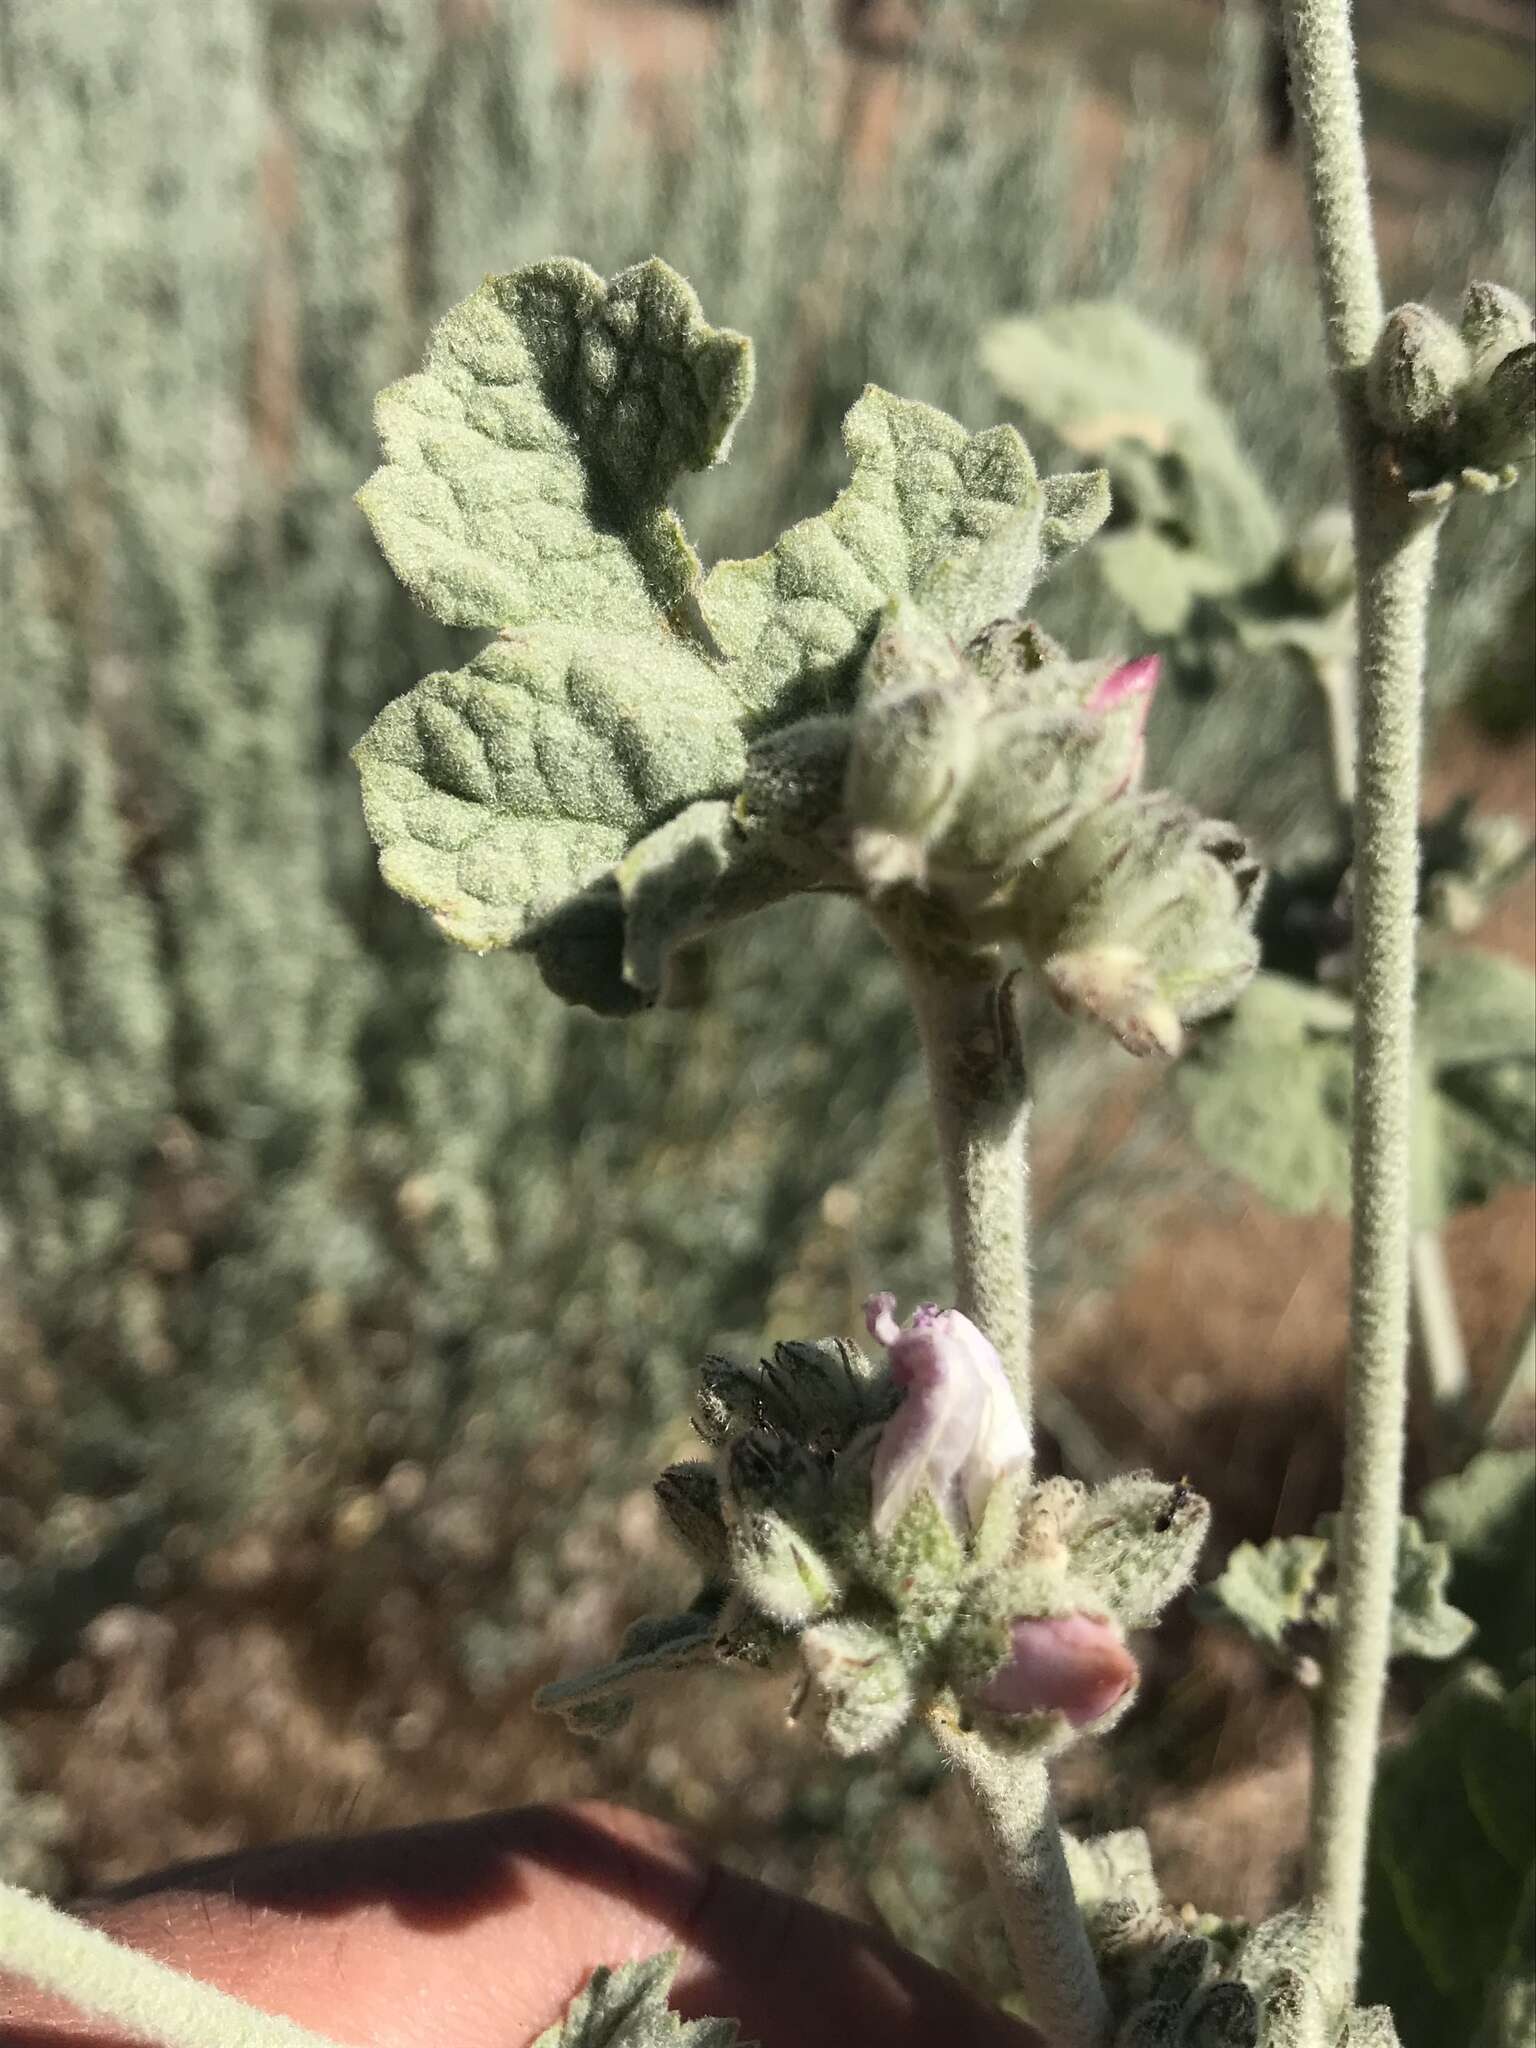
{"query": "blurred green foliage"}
pixel 290 1195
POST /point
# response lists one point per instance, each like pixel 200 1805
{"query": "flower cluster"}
pixel 877 1524
pixel 1458 404
pixel 1005 780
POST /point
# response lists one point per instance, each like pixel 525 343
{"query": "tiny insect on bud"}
pixel 1071 1664
pixel 957 1429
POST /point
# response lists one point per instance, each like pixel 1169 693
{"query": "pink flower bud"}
pixel 958 1428
pixel 1072 1664
pixel 1127 692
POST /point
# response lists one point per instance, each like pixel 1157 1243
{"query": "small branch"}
pixel 148 2000
pixel 1027 1867
pixel 1395 549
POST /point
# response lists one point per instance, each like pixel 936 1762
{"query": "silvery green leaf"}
pixel 930 509
pixel 1102 378
pixel 529 462
pixel 1453 1860
pixel 598 1701
pixel 497 791
pixel 1486 1514
pixel 1269 1088
pixel 1268 1590
pixel 627 2008
pixel 1157 581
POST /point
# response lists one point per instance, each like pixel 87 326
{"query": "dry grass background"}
pixel 256 1703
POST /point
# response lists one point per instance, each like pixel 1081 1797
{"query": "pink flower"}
pixel 1072 1664
pixel 1127 692
pixel 958 1428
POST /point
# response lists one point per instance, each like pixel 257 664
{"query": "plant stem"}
pixel 979 1086
pixel 1395 547
pixel 148 2000
pixel 979 1089
pixel 1027 1867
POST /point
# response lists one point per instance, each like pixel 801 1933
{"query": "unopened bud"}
pixel 914 743
pixel 1502 425
pixel 794 777
pixel 1416 369
pixel 689 1497
pixel 780 1572
pixel 1144 920
pixel 1137 1543
pixel 1494 322
pixel 1226 2016
pixel 1150 2026
pixel 1071 1664
pixel 860 1682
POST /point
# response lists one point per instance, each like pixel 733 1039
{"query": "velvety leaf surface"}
pixel 528 464
pixel 496 791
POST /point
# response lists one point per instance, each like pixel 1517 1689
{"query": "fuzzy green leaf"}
pixel 1267 1590
pixel 1486 1515
pixel 528 464
pixel 627 2008
pixel 1453 1846
pixel 1115 388
pixel 525 490
pixel 599 1701
pixel 499 790
pixel 958 521
pixel 1271 1590
pixel 1269 1088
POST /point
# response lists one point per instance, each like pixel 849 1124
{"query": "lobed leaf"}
pixel 627 2008
pixel 529 462
pixel 497 790
pixel 959 521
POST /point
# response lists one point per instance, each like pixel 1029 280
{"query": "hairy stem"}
pixel 980 1090
pixel 1027 1866
pixel 146 1999
pixel 1395 547
pixel 1397 567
